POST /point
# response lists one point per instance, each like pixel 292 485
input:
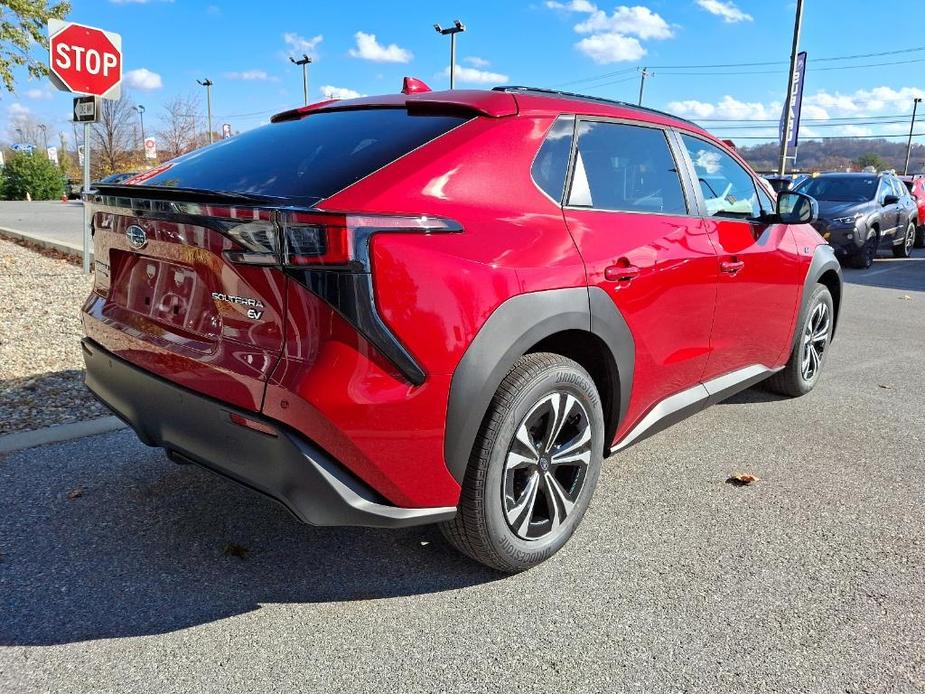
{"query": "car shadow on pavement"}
pixel 906 274
pixel 41 400
pixel 104 538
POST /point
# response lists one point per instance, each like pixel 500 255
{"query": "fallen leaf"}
pixel 742 480
pixel 233 550
pixel 906 297
pixel 885 386
pixel 75 493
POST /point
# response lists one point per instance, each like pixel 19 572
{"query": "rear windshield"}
pixel 841 188
pixel 313 157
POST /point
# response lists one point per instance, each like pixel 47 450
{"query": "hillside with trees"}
pixel 838 155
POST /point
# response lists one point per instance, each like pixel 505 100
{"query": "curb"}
pixel 59 433
pixel 71 249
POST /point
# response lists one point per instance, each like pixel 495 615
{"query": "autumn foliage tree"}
pixel 22 25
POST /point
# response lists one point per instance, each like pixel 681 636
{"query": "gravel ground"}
pixel 41 367
pixel 121 572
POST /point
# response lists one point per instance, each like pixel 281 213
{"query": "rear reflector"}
pixel 253 424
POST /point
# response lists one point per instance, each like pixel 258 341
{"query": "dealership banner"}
pixel 796 103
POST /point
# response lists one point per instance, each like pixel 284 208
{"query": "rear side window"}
pixel 551 163
pixel 313 157
pixel 728 189
pixel 625 168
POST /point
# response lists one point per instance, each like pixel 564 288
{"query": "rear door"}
pixel 761 270
pixel 629 214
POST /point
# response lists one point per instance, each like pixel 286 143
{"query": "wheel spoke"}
pixel 516 460
pixel 524 437
pixel 560 505
pixel 576 450
pixel 520 513
pixel 560 413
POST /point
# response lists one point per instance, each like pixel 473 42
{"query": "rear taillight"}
pixel 328 254
pixel 323 240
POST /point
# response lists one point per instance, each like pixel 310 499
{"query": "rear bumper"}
pixel 286 467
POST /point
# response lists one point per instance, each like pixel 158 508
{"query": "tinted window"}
pixel 898 189
pixel 841 188
pixel 627 168
pixel 313 157
pixel 728 189
pixel 551 163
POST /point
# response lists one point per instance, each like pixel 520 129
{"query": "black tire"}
pixel 793 380
pixel 920 236
pixel 481 528
pixel 864 257
pixel 904 250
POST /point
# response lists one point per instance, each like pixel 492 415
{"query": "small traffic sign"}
pixel 85 59
pixel 150 148
pixel 86 109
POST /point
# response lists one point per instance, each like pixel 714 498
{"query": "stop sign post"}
pixel 85 60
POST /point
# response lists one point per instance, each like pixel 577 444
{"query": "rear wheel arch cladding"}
pixel 510 332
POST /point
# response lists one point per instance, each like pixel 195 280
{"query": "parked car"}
pixel 916 187
pixel 779 183
pixel 448 307
pixel 73 188
pixel 862 212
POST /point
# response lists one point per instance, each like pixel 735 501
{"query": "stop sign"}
pixel 85 60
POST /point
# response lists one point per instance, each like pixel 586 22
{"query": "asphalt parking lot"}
pixel 120 571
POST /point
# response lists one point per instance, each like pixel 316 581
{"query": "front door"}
pixel 761 270
pixel 628 213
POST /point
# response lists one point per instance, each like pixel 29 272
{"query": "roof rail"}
pixel 596 99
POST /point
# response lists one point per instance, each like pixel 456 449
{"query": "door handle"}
pixel 621 273
pixel 731 267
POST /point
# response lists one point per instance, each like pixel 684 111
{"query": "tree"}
pixel 181 126
pixel 113 143
pixel 33 174
pixel 871 159
pixel 22 24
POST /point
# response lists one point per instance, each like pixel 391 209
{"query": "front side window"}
pixel 728 189
pixel 625 168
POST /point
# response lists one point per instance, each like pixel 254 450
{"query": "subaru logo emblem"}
pixel 137 238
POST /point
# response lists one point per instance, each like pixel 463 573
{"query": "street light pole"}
pixel 207 83
pixel 141 117
pixel 915 106
pixel 304 61
pixel 19 130
pixel 788 104
pixel 44 129
pixel 452 31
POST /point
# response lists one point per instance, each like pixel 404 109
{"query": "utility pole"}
pixel 452 31
pixel 304 61
pixel 19 130
pixel 141 117
pixel 44 129
pixel 788 104
pixel 643 74
pixel 207 83
pixel 915 106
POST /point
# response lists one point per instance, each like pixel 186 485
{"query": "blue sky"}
pixel 367 47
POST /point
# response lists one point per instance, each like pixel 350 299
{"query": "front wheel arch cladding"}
pixel 510 332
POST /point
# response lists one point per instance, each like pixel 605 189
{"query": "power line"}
pixel 769 138
pixel 905 121
pixel 802 120
pixel 784 62
pixel 809 68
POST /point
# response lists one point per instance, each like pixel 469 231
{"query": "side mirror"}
pixel 890 200
pixel 796 208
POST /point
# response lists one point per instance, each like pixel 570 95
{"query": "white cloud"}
pixel 611 48
pixel 476 62
pixel 817 108
pixel 633 21
pixel 368 48
pixel 300 44
pixel 250 76
pixel 143 79
pixel 39 94
pixel 730 13
pixel 615 37
pixel 331 92
pixel 17 112
pixel 474 76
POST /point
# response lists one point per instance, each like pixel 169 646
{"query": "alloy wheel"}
pixel 815 340
pixel 546 466
pixel 910 239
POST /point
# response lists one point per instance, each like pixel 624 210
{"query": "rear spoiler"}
pixel 490 104
pixel 118 190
